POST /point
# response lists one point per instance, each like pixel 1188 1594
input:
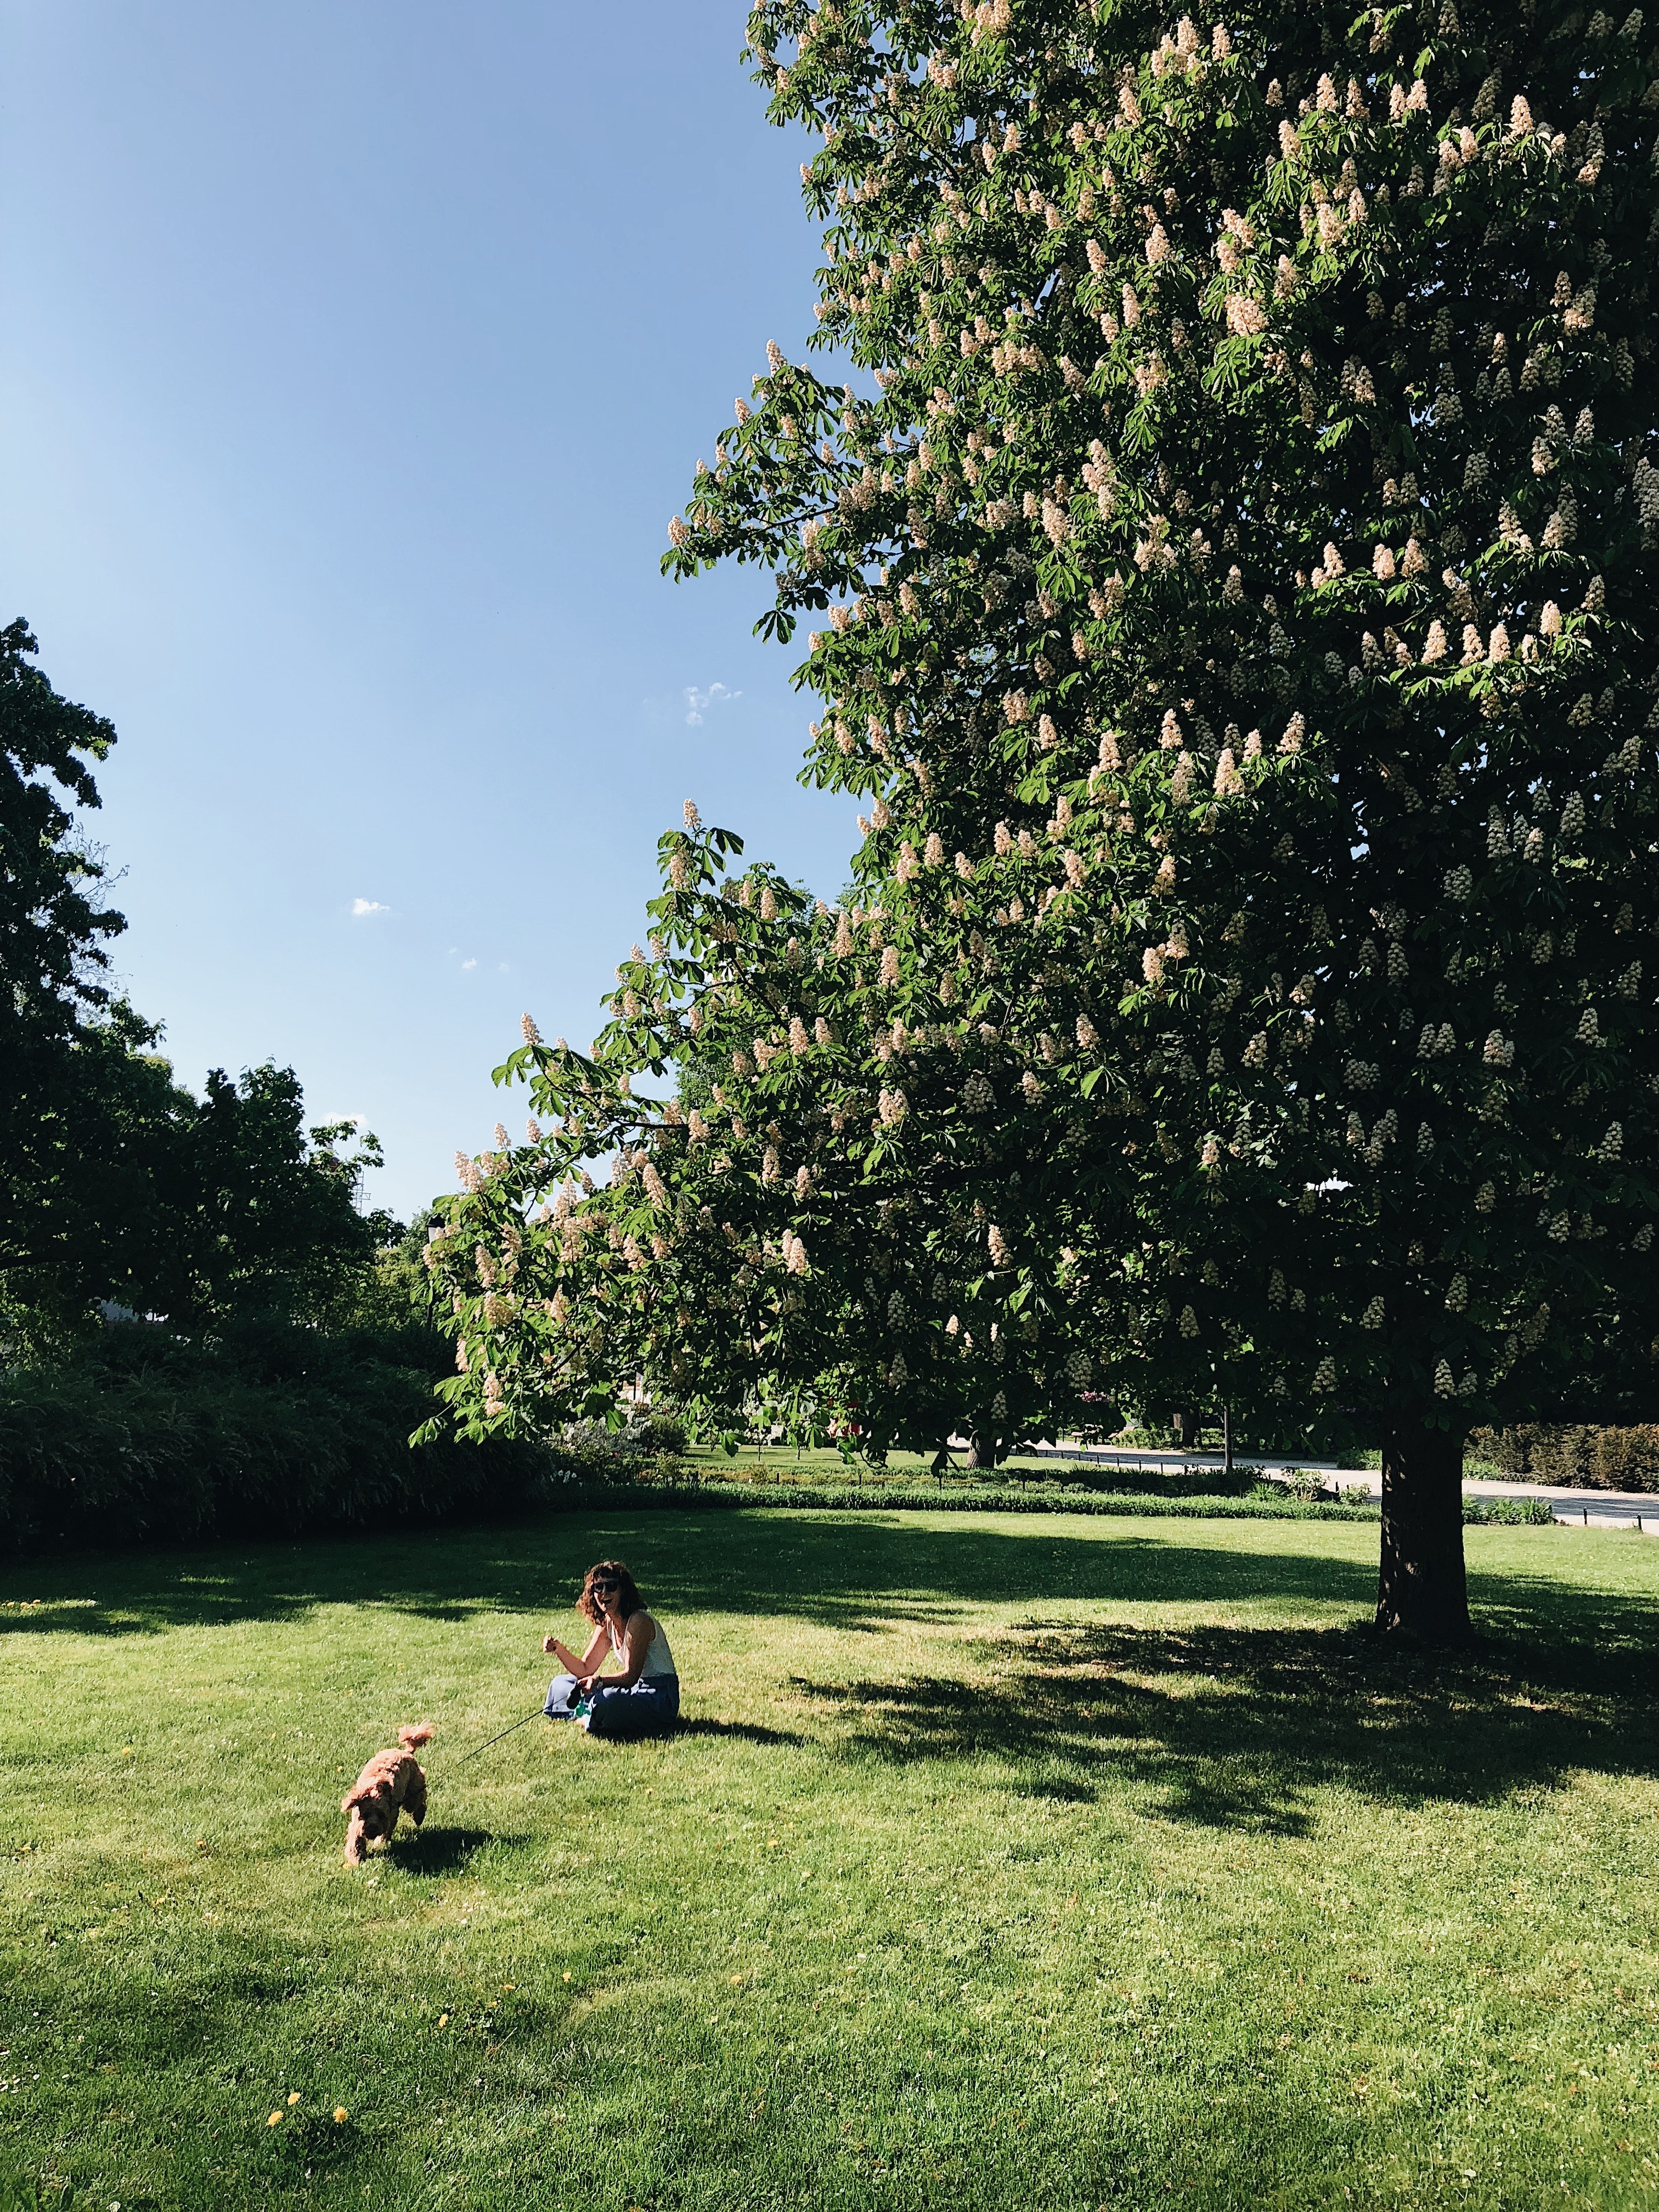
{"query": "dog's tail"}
pixel 412 1738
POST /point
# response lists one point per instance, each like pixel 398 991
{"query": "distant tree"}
pixel 125 1187
pixel 256 1211
pixel 53 927
pixel 115 1183
pixel 53 961
pixel 1243 605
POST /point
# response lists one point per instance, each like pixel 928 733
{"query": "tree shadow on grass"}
pixel 740 1732
pixel 871 1576
pixel 858 1575
pixel 1236 1728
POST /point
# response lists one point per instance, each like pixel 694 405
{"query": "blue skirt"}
pixel 649 1707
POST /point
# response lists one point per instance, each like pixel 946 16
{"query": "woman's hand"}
pixel 550 1644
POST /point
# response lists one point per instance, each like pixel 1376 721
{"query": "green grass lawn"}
pixel 1095 1862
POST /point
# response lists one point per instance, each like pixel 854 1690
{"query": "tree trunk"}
pixel 1421 1592
pixel 1227 1440
pixel 981 1450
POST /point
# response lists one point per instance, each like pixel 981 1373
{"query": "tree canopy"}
pixel 1238 552
pixel 116 1182
pixel 122 1186
pixel 51 924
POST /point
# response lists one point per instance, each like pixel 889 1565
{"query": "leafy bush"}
pixel 269 1430
pixel 1510 1512
pixel 1300 1483
pixel 663 1433
pixel 1576 1457
pixel 924 1497
pixel 1185 1480
pixel 590 1449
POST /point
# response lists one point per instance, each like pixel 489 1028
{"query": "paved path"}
pixel 1582 1508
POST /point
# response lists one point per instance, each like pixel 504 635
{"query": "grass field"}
pixel 1101 1863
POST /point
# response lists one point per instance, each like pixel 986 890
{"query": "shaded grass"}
pixel 1099 1859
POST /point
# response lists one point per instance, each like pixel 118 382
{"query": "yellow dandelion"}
pixel 443 2020
pixel 339 2116
pixel 275 2120
pixel 567 1978
pixel 294 2096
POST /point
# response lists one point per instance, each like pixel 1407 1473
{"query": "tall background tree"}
pixel 116 1183
pixel 51 922
pixel 1241 615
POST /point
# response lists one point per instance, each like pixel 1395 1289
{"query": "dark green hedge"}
pixel 924 1497
pixel 274 1430
pixel 1582 1457
pixel 633 1497
pixel 270 1430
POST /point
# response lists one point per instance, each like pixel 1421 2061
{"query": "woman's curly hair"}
pixel 628 1601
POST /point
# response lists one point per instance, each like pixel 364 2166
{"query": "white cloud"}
pixel 361 907
pixel 465 964
pixel 698 699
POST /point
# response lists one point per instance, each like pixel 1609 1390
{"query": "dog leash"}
pixel 514 1730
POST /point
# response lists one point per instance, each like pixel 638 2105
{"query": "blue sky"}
pixel 353 359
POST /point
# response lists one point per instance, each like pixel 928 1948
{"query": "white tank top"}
pixel 658 1659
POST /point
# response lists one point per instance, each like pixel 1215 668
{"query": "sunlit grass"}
pixel 1100 1861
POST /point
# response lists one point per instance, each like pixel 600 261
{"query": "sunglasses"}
pixel 602 1583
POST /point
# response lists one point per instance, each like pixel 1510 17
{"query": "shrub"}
pixel 1186 1480
pixel 1300 1483
pixel 922 1496
pixel 664 1433
pixel 589 1447
pixel 1513 1512
pixel 268 1430
pixel 1579 1457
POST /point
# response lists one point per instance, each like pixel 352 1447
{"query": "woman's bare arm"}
pixel 568 1660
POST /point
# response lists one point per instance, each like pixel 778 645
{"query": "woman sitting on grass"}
pixel 644 1698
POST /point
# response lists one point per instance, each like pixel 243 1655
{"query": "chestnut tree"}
pixel 1235 553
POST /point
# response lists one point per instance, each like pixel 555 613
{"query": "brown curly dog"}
pixel 391 1784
